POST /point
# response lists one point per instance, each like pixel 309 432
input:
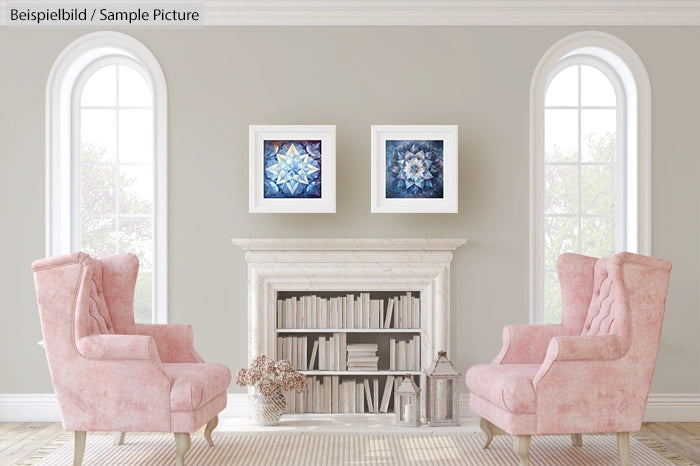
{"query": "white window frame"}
pixel 620 60
pixel 61 142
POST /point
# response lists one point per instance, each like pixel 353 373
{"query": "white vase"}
pixel 268 409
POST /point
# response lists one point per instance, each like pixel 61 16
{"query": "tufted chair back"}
pixel 608 312
pixel 91 312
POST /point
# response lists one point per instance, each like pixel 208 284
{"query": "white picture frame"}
pixel 281 187
pixel 435 156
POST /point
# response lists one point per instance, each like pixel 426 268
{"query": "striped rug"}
pixel 305 449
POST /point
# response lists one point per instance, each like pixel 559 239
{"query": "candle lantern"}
pixel 441 396
pixel 407 403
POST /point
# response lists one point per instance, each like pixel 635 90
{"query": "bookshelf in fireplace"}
pixel 354 347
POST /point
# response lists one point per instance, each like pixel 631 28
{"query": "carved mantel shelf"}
pixel 342 244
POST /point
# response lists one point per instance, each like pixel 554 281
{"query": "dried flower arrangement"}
pixel 269 376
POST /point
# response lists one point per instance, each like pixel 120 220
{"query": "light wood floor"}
pixel 19 440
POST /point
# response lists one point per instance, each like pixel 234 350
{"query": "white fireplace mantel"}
pixel 349 265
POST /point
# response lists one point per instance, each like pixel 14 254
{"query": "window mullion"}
pixel 580 210
pixel 117 224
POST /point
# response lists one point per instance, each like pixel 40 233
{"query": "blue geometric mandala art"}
pixel 292 169
pixel 414 169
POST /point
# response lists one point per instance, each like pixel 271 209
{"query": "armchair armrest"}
pixel 586 350
pixel 175 342
pixel 117 347
pixel 585 347
pixel 526 344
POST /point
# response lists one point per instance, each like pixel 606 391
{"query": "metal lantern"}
pixel 442 398
pixel 407 403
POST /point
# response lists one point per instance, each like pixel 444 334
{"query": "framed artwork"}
pixel 292 168
pixel 414 168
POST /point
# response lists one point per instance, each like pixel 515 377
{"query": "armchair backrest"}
pixel 627 289
pixel 119 274
pixel 70 297
pixel 75 293
pixel 627 299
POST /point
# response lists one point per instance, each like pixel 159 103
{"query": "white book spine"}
pixel 375 394
pixel 308 316
pixel 359 398
pixel 319 320
pixel 409 311
pixel 374 314
pixel 344 312
pixel 381 313
pixel 318 396
pixel 336 351
pixel 416 353
pixel 343 352
pixel 351 311
pixel 295 313
pixel 415 319
pixel 368 396
pixel 312 305
pixel 330 344
pixel 314 352
pixel 392 354
pixel 388 387
pixel 322 365
pixel 327 394
pixel 280 314
pixel 333 313
pixel 389 313
pixel 334 394
pixel 304 353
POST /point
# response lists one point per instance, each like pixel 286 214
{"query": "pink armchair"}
pixel 111 374
pixel 592 372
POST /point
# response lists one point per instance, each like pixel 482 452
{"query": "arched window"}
pixel 590 104
pixel 106 159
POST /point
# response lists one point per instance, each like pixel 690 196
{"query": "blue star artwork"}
pixel 414 169
pixel 292 169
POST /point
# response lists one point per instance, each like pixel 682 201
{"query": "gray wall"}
pixel 220 80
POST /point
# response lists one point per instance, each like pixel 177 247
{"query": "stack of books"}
pixel 333 394
pixel 404 355
pixel 350 311
pixel 362 357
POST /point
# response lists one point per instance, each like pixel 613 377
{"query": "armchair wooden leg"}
pixel 79 447
pixel 623 446
pixel 183 443
pixel 521 445
pixel 211 425
pixel 576 440
pixel 119 438
pixel 487 428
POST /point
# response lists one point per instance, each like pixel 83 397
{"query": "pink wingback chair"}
pixel 111 374
pixel 592 372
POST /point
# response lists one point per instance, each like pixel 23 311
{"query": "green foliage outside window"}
pixel 580 209
pixel 115 219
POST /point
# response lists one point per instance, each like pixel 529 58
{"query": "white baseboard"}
pixel 672 408
pixel 30 407
pixel 42 407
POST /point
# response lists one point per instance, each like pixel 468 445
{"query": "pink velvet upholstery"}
pixel 592 372
pixel 110 374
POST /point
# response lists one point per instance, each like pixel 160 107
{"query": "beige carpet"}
pixel 305 449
